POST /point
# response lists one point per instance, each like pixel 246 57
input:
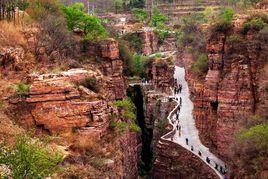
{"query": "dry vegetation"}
pixel 11 35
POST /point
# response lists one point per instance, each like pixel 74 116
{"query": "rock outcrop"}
pixel 173 161
pixel 77 104
pixel 149 42
pixel 160 71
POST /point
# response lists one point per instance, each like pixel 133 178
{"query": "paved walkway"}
pixel 188 129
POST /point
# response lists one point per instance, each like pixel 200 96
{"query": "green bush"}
pixel 255 24
pixel 140 14
pixel 134 127
pixel 224 21
pixel 29 158
pixel 125 104
pixel 139 61
pixel 158 19
pixel 23 89
pixel 200 65
pixel 77 19
pixel 91 83
pixel 127 107
pixel 121 126
pixel 226 14
pixel 162 33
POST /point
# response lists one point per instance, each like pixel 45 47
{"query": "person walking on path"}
pixel 180 101
pixel 186 141
pixel 216 166
pixel 208 160
pixel 192 148
pixel 179 109
pixel 199 153
pixel 180 88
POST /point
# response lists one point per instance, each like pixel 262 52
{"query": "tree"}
pixel 29 158
pixel 77 19
pixel 158 19
pixel 140 14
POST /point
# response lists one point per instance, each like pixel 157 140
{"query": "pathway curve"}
pixel 188 128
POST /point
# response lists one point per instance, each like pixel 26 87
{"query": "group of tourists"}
pixel 177 90
pixel 221 169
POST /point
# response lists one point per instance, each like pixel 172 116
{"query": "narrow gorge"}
pixel 134 89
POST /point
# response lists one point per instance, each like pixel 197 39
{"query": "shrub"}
pixel 121 126
pixel 140 14
pixel 162 33
pixel 127 57
pixel 224 21
pixel 91 83
pixel 190 34
pixel 222 26
pixel 250 148
pixel 11 35
pixel 139 61
pixel 162 124
pixel 127 108
pixel 235 39
pixel 54 35
pixel 30 158
pixel 158 19
pixel 134 40
pixel 37 7
pixel 255 24
pixel 200 65
pixel 134 127
pixel 226 14
pixel 263 34
pixel 23 89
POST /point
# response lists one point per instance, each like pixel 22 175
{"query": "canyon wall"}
pixel 233 88
pixel 77 105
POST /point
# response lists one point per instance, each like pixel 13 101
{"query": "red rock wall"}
pixel 232 90
pixel 149 42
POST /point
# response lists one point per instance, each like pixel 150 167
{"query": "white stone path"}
pixel 188 128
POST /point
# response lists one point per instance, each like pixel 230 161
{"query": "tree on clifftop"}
pixel 77 19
